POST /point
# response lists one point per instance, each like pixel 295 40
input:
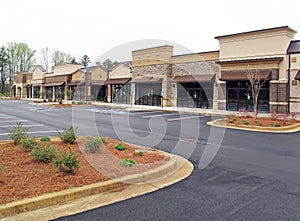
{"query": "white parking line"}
pixel 159 115
pixel 6 117
pixel 182 118
pixel 32 125
pixel 9 121
pixel 37 132
pixel 143 112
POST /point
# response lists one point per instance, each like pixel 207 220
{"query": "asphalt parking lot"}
pixel 251 175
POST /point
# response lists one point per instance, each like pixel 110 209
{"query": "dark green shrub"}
pixel 43 152
pixel 45 139
pixel 93 144
pixel 277 125
pixel 67 136
pixel 259 124
pixel 127 162
pixel 18 133
pixel 140 153
pixel 103 140
pixel 28 143
pixel 60 101
pixel 245 122
pixel 120 147
pixel 67 162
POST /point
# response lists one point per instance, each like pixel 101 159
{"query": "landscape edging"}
pixel 49 199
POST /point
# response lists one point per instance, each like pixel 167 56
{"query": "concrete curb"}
pixel 50 199
pixel 284 129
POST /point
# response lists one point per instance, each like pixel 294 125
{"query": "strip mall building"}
pixel 208 80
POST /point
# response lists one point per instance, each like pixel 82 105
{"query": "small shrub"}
pixel 231 121
pixel 67 136
pixel 127 162
pixel 49 100
pixel 18 133
pixel 28 143
pixel 60 101
pixel 67 162
pixel 259 124
pixel 103 140
pixel 45 139
pixel 120 147
pixel 93 144
pixel 44 152
pixel 245 122
pixel 277 125
pixel 140 153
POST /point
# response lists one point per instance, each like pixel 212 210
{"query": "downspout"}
pixel 289 83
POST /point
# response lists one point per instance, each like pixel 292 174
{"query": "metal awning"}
pixel 76 83
pixel 118 81
pixel 297 77
pixel 146 80
pixel 54 84
pixel 98 83
pixel 194 78
pixel 242 75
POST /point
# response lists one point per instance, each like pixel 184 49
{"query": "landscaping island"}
pixel 25 174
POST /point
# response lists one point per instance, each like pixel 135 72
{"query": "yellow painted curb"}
pixel 79 192
pixel 284 129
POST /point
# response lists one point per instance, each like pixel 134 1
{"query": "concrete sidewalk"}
pixel 124 188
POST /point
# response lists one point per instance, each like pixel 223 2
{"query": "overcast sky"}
pixel 94 27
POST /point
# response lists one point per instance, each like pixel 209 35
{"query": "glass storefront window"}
pixel 36 91
pixel 49 92
pixel 195 95
pixel 239 96
pixel 120 93
pixel 60 92
pixel 148 94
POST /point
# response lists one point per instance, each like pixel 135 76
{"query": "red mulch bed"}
pixel 259 121
pixel 23 177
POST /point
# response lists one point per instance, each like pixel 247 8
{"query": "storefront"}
pixel 36 91
pixel 98 91
pixel 195 91
pixel 119 90
pixel 148 91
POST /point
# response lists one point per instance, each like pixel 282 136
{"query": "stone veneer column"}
pixel 109 99
pixel 132 94
pixel 278 97
pixel 221 88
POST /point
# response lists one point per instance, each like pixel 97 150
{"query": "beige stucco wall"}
pixel 78 76
pixel 152 56
pixel 273 42
pixel 98 74
pixel 65 69
pixel 121 71
pixel 38 74
pixel 206 56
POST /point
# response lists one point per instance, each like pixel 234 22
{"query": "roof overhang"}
pixel 54 84
pixel 242 75
pixel 147 80
pixel 118 81
pixel 237 61
pixel 194 78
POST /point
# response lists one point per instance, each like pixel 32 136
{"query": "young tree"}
pixel 46 58
pixel 256 83
pixel 3 68
pixel 20 58
pixel 85 60
pixel 58 57
pixel 108 64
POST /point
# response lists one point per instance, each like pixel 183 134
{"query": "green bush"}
pixel 29 143
pixel 45 139
pixel 277 125
pixel 93 144
pixel 67 162
pixel 18 133
pixel 43 152
pixel 120 147
pixel 60 101
pixel 140 153
pixel 127 162
pixel 259 124
pixel 245 122
pixel 67 136
pixel 103 140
